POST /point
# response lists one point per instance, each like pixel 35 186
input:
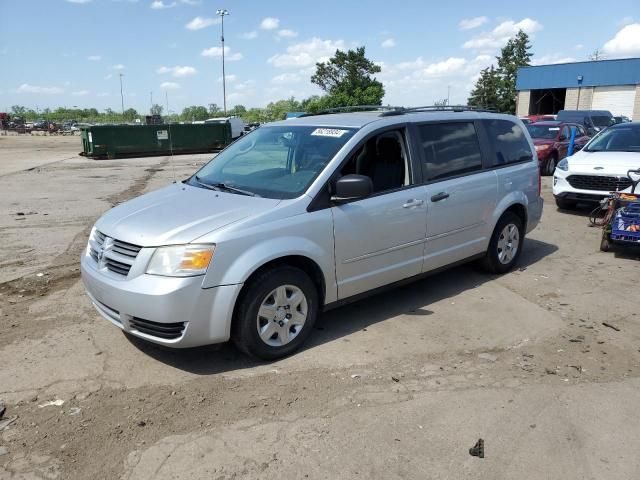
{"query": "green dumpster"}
pixel 111 141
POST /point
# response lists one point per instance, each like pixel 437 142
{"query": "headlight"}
pixel 181 260
pixel 542 147
pixel 563 164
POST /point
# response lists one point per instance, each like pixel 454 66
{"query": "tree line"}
pixel 347 79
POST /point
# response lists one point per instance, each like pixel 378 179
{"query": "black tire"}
pixel 550 167
pixel 605 244
pixel 245 323
pixel 491 261
pixel 564 204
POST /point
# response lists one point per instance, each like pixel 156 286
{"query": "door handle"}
pixel 414 202
pixel 439 196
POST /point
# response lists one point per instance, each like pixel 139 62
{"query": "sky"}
pixel 71 52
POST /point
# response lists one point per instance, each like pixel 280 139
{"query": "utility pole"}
pixel 121 95
pixel 448 94
pixel 166 99
pixel 222 12
pixel 150 103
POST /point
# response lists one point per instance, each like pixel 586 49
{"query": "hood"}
pixel 178 214
pixel 611 162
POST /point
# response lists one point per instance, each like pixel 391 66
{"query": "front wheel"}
pixel 275 313
pixel 505 245
pixel 551 165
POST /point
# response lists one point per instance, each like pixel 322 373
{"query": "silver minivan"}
pixel 302 215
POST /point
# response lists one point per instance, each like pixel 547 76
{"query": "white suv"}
pixel 302 215
pixel 599 168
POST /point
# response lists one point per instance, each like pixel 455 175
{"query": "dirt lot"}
pixel 397 386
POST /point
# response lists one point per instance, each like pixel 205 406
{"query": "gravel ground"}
pixel 397 386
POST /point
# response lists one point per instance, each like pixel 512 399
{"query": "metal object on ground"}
pixel 478 449
pixel 113 141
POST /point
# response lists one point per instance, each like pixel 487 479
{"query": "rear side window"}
pixel 450 149
pixel 509 142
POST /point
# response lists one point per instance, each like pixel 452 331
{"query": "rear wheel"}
pixel 276 313
pixel 564 204
pixel 505 245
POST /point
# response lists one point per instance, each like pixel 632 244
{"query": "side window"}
pixel 509 142
pixel 565 132
pixel 581 132
pixel 450 149
pixel 384 159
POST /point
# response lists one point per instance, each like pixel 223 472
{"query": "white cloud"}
pixel 27 88
pixel 191 2
pixel 551 59
pixel 286 33
pixel 500 35
pixel 118 66
pixel 78 2
pixel 446 67
pixel 625 43
pixel 579 46
pixel 628 20
pixel 249 35
pixel 169 85
pixel 286 78
pixel 389 43
pixel 178 71
pixel 229 78
pixel 471 23
pixel 94 58
pixel 217 52
pixel 307 53
pixel 102 94
pixel 108 77
pixel 80 93
pixel 159 5
pixel 269 23
pixel 199 23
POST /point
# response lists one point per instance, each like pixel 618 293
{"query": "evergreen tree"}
pixel 514 54
pixel 485 93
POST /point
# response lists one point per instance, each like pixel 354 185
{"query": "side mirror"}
pixel 352 187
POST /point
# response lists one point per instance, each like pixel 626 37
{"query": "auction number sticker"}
pixel 162 135
pixel 554 129
pixel 328 132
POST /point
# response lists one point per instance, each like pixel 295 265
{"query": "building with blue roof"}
pixel 612 85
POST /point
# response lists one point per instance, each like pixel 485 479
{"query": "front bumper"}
pixel 563 189
pixel 176 312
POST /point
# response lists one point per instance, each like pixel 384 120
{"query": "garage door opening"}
pixel 547 101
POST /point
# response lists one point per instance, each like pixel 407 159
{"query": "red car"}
pixel 551 140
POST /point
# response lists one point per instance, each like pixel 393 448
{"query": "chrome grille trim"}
pixel 118 257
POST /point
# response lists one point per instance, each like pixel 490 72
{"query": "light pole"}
pixel 222 12
pixel 121 96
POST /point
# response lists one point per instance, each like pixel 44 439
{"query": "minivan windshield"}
pixel 616 139
pixel 273 162
pixel 543 131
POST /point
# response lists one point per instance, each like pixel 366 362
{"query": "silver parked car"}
pixel 305 214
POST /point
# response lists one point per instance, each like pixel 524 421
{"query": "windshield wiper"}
pixel 206 185
pixel 230 188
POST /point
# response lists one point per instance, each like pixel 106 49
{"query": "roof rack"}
pixel 388 110
pixel 356 108
pixel 439 108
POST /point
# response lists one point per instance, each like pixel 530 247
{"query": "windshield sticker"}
pixel 328 132
pixel 554 129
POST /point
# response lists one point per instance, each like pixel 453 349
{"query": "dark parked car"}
pixel 621 119
pixel 551 140
pixel 592 120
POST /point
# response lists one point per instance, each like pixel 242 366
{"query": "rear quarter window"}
pixel 509 143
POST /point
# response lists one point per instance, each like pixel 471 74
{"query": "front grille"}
pixel 168 331
pixel 599 183
pixel 118 256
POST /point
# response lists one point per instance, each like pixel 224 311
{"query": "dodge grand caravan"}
pixel 305 214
